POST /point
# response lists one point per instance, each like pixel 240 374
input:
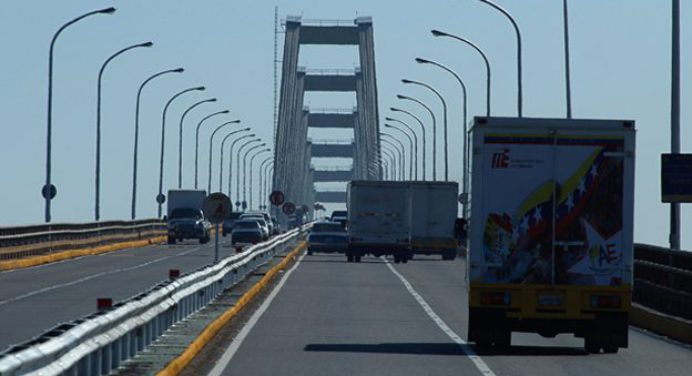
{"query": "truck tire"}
pixel 205 239
pixel 397 258
pixel 349 258
pixel 309 252
pixel 357 258
pixel 592 343
pixel 171 240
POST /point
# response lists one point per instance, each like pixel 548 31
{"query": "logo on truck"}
pixel 501 159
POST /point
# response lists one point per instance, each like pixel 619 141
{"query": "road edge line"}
pixel 178 364
pixel 74 253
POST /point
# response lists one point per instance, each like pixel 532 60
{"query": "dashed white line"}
pixel 477 361
pixel 93 276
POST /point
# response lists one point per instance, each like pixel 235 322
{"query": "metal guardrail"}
pixel 99 343
pixel 24 241
pixel 663 280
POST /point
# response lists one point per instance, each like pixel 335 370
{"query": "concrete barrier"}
pixel 660 323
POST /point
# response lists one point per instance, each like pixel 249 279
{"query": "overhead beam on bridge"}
pixel 333 175
pixel 329 150
pixel 330 81
pixel 332 119
pixel 331 197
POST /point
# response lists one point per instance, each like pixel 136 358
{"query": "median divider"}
pixel 178 364
pixel 69 254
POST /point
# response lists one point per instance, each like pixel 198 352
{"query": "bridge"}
pixel 128 297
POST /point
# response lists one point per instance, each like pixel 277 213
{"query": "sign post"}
pixel 676 178
pixel 216 207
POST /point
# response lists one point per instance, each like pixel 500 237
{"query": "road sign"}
pixel 277 198
pixel 160 198
pixel 463 198
pixel 676 177
pixel 244 205
pixel 49 191
pixel 237 204
pixel 288 208
pixel 216 207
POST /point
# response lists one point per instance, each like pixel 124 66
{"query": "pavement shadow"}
pixel 531 351
pixel 389 348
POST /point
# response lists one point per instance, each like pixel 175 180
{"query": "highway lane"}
pixel 335 318
pixel 35 299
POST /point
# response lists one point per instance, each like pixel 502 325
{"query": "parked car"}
pixel 327 237
pixel 246 231
pixel 229 222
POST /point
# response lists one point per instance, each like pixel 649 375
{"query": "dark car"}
pixel 327 237
pixel 229 222
pixel 340 216
pixel 188 223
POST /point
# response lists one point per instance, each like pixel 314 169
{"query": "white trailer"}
pixel 551 236
pixel 432 214
pixel 378 220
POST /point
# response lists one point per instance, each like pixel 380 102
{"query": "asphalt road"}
pixel 35 299
pixel 335 318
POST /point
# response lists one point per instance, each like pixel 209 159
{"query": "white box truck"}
pixel 550 245
pixel 185 216
pixel 378 220
pixel 433 212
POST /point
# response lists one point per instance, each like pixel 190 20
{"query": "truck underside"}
pixel 401 253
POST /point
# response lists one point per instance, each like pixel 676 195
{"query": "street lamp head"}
pixel 199 88
pixel 146 44
pixel 234 122
pixel 388 126
pixel 211 100
pixel 263 144
pixel 267 149
pixel 252 135
pixel 246 129
pixel 406 81
pixel 110 10
pixel 388 118
pixel 399 96
pixel 422 61
pixel 438 33
pixel 179 70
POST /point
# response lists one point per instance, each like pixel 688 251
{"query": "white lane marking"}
pixel 93 276
pixel 477 361
pixel 227 356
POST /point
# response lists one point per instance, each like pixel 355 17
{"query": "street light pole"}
pixel 160 198
pixel 267 178
pixel 438 33
pixel 434 127
pixel 230 160
pixel 568 85
pixel 263 184
pixel 413 156
pixel 466 155
pixel 180 139
pixel 223 145
pixel 136 141
pixel 252 160
pixel 516 30
pixel 422 128
pixel 675 117
pixel 197 140
pixel 48 189
pixel 399 147
pixel 415 140
pixel 211 143
pixel 444 118
pixel 237 170
pixel 250 150
pixel 97 179
pixel 392 161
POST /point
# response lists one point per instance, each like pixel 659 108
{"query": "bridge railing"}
pixel 98 343
pixel 36 240
pixel 663 280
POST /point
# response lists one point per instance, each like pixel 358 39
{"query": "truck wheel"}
pixel 309 252
pixel 404 260
pixel 397 259
pixel 349 258
pixel 357 258
pixel 592 343
pixel 171 240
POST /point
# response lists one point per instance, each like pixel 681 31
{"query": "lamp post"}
pixel 97 174
pixel 136 141
pixel 415 139
pixel 230 161
pixel 247 152
pixel 180 138
pixel 422 128
pixel 261 179
pixel 568 85
pixel 211 144
pixel 438 33
pixel 516 30
pixel 413 157
pixel 444 118
pixel 674 238
pixel 223 145
pixel 267 178
pixel 252 160
pixel 466 154
pixel 400 153
pixel 160 198
pixel 237 171
pixel 197 140
pixel 49 189
pixel 434 127
pixel 387 151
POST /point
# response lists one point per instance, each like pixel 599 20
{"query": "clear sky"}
pixel 620 69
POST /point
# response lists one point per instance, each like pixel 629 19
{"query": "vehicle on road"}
pixel 551 230
pixel 247 231
pixel 259 218
pixel 229 222
pixel 433 213
pixel 185 217
pixel 378 220
pixel 267 219
pixel 340 216
pixel 327 237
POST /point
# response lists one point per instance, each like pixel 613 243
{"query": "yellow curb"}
pixel 66 255
pixel 178 364
pixel 659 323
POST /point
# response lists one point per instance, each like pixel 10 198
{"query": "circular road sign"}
pixel 160 198
pixel 463 198
pixel 277 198
pixel 216 207
pixel 49 191
pixel 289 208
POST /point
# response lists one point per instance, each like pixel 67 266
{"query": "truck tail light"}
pixel 496 298
pixel 606 301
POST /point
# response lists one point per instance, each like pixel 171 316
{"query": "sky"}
pixel 620 60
